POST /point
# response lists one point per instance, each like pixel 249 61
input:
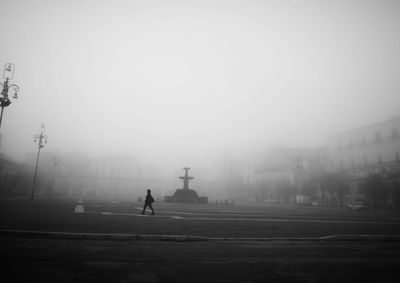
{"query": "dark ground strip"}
pixel 183 238
pixel 49 260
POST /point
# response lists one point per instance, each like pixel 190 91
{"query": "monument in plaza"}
pixel 185 194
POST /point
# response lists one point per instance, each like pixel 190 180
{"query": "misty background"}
pixel 179 83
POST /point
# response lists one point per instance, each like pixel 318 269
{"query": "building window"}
pixel 395 134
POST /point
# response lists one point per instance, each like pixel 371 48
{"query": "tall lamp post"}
pixel 51 189
pixel 4 99
pixel 40 138
pixel 299 178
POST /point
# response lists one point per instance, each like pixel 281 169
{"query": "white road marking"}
pixel 108 236
pixel 290 220
pixel 128 214
pixel 176 212
pixel 226 213
pixel 253 219
pixel 240 217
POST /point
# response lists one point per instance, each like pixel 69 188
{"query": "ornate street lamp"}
pixel 40 138
pixel 4 99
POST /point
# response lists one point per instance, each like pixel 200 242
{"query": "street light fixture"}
pixel 40 138
pixel 8 74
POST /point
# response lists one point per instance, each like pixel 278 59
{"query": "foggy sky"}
pixel 180 82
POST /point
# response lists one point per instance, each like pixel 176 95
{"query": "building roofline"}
pixel 365 127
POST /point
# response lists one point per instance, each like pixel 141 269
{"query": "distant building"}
pixel 281 174
pixel 373 149
pixel 108 177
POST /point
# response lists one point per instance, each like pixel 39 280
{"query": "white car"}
pixel 357 205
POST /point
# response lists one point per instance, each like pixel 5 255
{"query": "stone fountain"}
pixel 185 194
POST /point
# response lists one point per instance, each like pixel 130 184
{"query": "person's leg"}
pixel 151 207
pixel 144 208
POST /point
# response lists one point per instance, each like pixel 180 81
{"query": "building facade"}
pixel 334 174
pixel 366 151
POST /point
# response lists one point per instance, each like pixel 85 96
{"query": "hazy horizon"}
pixel 177 83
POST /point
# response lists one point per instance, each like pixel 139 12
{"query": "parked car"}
pixel 358 205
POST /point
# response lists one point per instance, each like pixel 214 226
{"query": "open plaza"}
pixel 200 141
pixel 69 240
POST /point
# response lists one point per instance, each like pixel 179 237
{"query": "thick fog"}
pixel 178 83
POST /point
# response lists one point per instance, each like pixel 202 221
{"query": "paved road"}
pixel 198 220
pixel 47 260
pixel 368 256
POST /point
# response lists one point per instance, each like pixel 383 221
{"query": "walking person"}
pixel 148 201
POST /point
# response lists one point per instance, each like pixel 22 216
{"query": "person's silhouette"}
pixel 148 201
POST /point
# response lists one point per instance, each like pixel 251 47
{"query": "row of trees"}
pixel 382 194
pixel 332 190
pixel 17 179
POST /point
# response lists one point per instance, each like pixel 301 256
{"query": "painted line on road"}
pixel 249 219
pixel 141 215
pixel 218 213
pixel 127 214
pixel 182 238
pixel 176 212
pixel 290 220
pixel 237 213
pixel 228 213
pixel 176 217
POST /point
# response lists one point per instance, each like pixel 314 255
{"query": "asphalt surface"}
pixel 46 241
pixel 238 221
pixel 46 260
